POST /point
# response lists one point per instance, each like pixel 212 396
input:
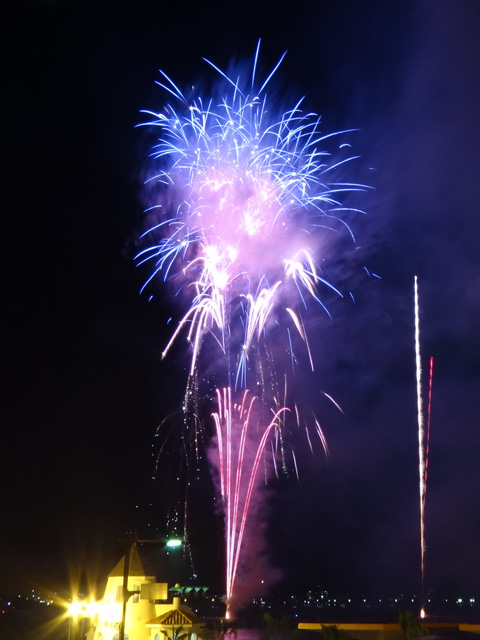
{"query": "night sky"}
pixel 84 384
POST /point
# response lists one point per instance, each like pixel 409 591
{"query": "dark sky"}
pixel 84 385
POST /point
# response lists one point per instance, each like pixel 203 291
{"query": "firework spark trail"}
pixel 425 475
pixel 241 202
pixel 429 418
pixel 421 442
pixel 236 481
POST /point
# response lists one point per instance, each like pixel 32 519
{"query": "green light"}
pixel 174 543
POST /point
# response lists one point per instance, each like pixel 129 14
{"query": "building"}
pixel 148 615
pixel 176 623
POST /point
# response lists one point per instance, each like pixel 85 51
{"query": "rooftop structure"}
pixel 148 615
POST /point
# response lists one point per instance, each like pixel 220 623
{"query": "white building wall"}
pixel 138 611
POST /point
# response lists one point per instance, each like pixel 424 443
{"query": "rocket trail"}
pixel 423 442
pixel 421 429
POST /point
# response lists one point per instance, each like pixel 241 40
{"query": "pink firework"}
pixel 233 425
pixel 243 203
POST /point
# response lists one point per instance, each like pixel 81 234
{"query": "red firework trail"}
pixel 429 417
pixel 236 479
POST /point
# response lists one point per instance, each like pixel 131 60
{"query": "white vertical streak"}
pixel 421 430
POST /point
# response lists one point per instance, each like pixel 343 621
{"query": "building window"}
pixel 136 596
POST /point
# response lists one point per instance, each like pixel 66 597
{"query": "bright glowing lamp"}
pixel 174 543
pixel 75 609
pixel 83 609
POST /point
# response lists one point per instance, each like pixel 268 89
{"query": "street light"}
pixel 78 610
pixel 171 543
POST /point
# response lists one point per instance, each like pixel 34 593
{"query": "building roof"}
pixel 176 618
pixel 137 566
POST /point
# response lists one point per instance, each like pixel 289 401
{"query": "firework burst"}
pixel 242 199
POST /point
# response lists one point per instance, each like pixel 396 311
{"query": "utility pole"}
pixel 126 593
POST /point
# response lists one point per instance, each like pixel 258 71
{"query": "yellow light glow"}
pixel 83 608
pixel 111 612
